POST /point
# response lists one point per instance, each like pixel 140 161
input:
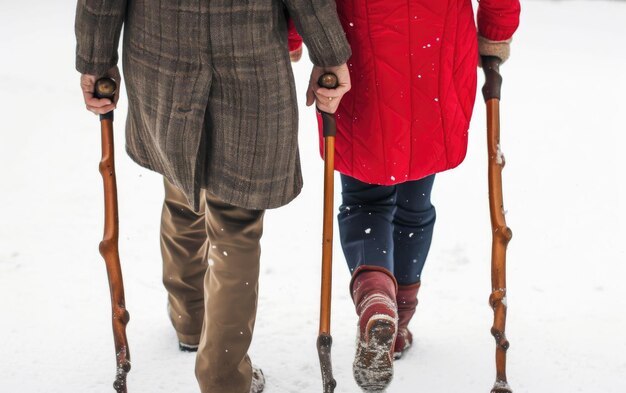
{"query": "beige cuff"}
pixel 500 49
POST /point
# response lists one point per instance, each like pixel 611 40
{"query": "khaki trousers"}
pixel 211 271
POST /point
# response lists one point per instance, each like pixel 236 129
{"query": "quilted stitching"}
pixel 413 71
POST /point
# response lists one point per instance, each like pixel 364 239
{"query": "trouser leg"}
pixel 366 233
pixel 184 249
pixel 413 222
pixel 231 288
pixel 365 224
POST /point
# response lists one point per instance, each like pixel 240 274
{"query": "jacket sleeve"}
pixel 318 24
pixel 498 19
pixel 98 27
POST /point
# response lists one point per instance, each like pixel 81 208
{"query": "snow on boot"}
pixel 407 302
pixel 374 293
pixel 258 380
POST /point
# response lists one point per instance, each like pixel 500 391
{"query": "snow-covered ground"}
pixel 563 133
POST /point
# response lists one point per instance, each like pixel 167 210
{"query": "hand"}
pixel 327 100
pixel 499 49
pixel 99 106
pixel 295 55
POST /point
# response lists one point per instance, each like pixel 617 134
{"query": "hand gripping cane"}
pixel 501 234
pixel 324 340
pixel 105 88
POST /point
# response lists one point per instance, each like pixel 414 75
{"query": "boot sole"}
pixel 373 364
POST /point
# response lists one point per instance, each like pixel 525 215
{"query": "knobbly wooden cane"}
pixel 106 88
pixel 324 340
pixel 501 234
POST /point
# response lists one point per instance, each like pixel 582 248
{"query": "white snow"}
pixel 499 155
pixel 564 127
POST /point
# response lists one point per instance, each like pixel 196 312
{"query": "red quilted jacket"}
pixel 413 72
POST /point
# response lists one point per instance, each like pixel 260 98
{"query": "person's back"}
pixel 406 118
pixel 212 107
pixel 413 70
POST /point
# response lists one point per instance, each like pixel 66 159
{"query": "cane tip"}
pixel 105 88
pixel 501 387
pixel 328 80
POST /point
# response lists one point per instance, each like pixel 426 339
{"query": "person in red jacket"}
pixel 413 72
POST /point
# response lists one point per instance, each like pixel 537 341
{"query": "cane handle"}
pixel 105 88
pixel 328 80
pixel 493 79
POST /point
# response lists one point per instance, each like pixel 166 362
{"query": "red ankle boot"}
pixel 407 302
pixel 374 294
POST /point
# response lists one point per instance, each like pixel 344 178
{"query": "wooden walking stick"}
pixel 324 340
pixel 501 234
pixel 105 88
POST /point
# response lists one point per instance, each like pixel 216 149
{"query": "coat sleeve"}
pixel 498 19
pixel 98 27
pixel 318 24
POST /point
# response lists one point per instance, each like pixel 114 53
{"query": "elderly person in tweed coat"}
pixel 212 107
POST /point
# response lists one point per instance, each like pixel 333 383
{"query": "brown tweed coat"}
pixel 211 94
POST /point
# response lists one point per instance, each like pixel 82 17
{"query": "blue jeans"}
pixel 387 226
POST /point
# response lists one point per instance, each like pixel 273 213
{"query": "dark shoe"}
pixel 374 292
pixel 407 302
pixel 186 342
pixel 258 380
pixel 187 347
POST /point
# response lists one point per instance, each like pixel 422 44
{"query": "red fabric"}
pixel 406 299
pixel 294 39
pixel 498 19
pixel 373 293
pixel 413 72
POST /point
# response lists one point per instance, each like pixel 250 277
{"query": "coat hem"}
pixel 219 193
